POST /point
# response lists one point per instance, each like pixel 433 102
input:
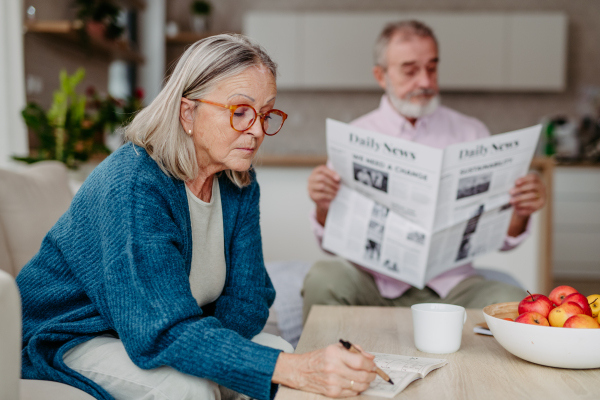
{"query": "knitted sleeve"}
pixel 143 290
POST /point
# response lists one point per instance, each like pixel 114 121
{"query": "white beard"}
pixel 413 110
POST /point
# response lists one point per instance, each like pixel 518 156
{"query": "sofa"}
pixel 31 201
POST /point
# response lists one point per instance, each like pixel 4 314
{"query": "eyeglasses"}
pixel 244 115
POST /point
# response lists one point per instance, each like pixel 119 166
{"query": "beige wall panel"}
pixel 472 49
pixel 538 44
pixel 578 270
pixel 339 49
pixel 577 222
pixel 579 215
pixel 577 247
pixel 279 34
pixel 479 51
pixel 572 183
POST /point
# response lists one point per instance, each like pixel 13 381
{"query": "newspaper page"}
pixel 402 370
pixel 399 174
pixel 410 211
pixel 384 211
pixel 473 210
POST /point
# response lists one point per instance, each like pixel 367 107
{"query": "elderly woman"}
pixel 152 285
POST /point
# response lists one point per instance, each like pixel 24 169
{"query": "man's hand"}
pixel 323 185
pixel 527 196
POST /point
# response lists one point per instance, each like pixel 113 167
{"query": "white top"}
pixel 207 275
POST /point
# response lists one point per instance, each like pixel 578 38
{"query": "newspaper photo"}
pixel 411 211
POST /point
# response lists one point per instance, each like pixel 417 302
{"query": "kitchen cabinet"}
pixel 577 222
pixel 478 51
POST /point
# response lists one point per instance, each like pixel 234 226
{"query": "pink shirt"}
pixel 440 129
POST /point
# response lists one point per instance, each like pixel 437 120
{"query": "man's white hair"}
pixel 407 29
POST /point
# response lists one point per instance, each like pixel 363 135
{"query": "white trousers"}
pixel 105 361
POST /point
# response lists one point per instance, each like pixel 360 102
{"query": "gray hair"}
pixel 407 29
pixel 202 66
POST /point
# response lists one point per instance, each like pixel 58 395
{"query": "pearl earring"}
pixel 190 132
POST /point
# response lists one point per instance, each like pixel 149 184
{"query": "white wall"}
pixel 13 134
pixel 522 262
pixel 152 71
pixel 284 209
pixel 577 222
pixel 287 234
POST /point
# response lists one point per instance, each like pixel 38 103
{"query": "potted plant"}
pixel 74 128
pixel 201 10
pixel 64 132
pixel 101 18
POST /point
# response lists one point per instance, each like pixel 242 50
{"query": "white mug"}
pixel 438 327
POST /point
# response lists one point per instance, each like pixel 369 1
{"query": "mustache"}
pixel 420 92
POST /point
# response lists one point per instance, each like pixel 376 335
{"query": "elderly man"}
pixel 406 63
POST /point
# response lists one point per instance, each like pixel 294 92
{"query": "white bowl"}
pixel 545 345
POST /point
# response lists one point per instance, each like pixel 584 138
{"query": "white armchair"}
pixel 31 201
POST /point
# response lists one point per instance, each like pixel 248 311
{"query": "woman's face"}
pixel 217 144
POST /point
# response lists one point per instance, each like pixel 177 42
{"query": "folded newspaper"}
pixel 403 370
pixel 411 211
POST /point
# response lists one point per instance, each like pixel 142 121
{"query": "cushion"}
pixel 10 337
pixel 288 278
pixel 46 390
pixel 6 263
pixel 31 201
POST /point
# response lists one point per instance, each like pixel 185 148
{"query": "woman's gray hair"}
pixel 407 29
pixel 202 66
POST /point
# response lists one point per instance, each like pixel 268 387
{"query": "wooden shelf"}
pixel 68 31
pixel 578 164
pixel 270 160
pixel 132 4
pixel 183 38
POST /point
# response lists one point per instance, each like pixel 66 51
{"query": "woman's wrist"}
pixel 284 370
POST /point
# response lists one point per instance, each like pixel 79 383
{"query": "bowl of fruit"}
pixel 560 330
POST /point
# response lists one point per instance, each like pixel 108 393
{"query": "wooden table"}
pixel 481 369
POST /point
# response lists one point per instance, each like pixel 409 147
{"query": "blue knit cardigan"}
pixel 118 261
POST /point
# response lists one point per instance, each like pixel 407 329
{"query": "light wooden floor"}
pixel 583 286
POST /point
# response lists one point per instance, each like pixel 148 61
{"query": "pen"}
pixel 379 372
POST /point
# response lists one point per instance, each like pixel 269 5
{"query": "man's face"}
pixel 410 72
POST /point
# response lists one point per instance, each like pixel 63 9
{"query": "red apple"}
pixel 558 294
pixel 582 321
pixel 532 318
pixel 562 313
pixel 581 301
pixel 536 303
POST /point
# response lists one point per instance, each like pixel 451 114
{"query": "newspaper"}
pixel 411 211
pixel 403 370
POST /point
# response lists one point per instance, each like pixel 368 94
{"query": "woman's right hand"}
pixel 332 371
